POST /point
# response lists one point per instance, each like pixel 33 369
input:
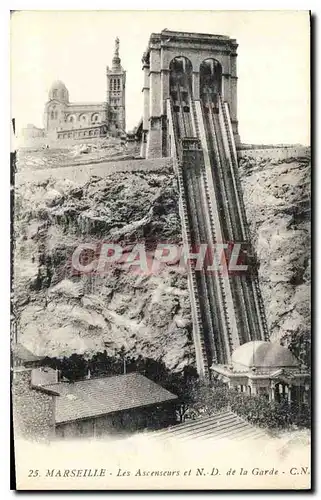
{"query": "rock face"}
pixel 60 313
pixel 277 198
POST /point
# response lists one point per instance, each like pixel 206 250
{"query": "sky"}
pixel 76 46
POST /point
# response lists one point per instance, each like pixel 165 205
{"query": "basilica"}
pixel 65 120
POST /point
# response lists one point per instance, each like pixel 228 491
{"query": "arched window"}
pixel 180 75
pixel 83 119
pixel 71 118
pixel 210 77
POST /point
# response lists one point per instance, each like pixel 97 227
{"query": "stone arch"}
pixel 210 77
pixel 281 391
pixel 95 117
pixel 181 70
pixel 52 112
pixel 71 119
pixel 83 118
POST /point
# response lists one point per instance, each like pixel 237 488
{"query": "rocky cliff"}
pixel 59 313
pixel 276 185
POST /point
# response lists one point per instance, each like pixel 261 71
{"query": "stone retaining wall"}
pixel 87 171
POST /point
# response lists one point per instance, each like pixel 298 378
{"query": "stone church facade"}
pixel 88 120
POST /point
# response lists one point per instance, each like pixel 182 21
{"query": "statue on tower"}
pixel 117 47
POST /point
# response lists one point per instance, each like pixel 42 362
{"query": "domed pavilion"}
pixel 266 368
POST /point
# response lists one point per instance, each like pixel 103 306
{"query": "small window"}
pixel 52 115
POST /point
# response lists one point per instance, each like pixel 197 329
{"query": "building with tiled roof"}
pixel 46 407
pixel 101 396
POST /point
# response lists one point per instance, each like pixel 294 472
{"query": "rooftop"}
pixel 20 352
pixel 94 397
pixel 197 40
pixel 262 354
pixel 189 35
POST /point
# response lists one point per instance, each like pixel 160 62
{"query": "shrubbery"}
pixel 256 409
pixel 274 415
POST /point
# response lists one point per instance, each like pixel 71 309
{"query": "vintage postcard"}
pixel 160 315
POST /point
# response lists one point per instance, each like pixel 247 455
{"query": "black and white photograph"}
pixel 161 250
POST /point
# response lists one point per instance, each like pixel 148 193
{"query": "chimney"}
pixel 44 376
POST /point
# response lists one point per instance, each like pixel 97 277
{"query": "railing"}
pixel 198 333
pixel 225 310
pixel 232 156
pixel 226 196
pixel 224 293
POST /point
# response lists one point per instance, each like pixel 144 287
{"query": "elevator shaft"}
pixel 227 309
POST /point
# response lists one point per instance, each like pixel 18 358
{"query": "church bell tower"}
pixel 116 89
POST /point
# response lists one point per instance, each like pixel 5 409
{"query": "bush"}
pixel 206 399
pixel 273 415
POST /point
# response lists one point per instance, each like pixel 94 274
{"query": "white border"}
pixel 4 170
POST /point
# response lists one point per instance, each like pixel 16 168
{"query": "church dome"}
pixel 263 354
pixel 59 92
